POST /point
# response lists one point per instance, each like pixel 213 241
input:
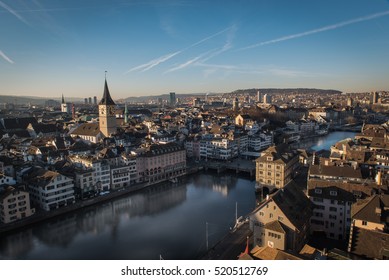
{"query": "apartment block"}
pixel 14 204
pixel 276 165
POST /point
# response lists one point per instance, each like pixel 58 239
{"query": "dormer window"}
pixel 333 193
pixel 269 158
pixel 318 191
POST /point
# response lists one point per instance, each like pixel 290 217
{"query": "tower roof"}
pixel 107 99
pixel 63 99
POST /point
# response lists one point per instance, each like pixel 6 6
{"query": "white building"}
pixel 260 141
pixel 50 190
pixel 218 148
pixel 101 170
pixel 120 176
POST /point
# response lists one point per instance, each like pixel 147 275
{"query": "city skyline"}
pixel 51 48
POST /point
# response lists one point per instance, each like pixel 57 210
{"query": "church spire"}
pixel 63 99
pixel 107 99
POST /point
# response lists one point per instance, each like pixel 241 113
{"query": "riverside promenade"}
pixel 231 246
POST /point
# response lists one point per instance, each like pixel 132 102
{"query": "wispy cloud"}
pixel 318 30
pixel 188 63
pixel 204 57
pixel 149 65
pixel 272 70
pixel 3 55
pixel 153 63
pixel 13 12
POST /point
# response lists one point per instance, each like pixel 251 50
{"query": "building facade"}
pixel 160 162
pixel 281 221
pixel 14 205
pixel 276 165
pixel 50 190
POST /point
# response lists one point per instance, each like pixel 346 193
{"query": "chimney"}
pixel 267 197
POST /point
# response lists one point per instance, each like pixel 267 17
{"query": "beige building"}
pixel 242 120
pixel 276 165
pixel 14 205
pixel 89 132
pixel 159 162
pixel 282 220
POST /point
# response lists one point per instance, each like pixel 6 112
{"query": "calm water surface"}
pixel 167 220
pixel 324 142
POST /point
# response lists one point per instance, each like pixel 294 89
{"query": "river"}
pixel 324 142
pixel 168 220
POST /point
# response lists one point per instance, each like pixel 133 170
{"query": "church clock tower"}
pixel 107 118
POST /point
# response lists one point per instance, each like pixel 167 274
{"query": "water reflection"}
pixel 323 142
pixel 17 244
pixel 168 219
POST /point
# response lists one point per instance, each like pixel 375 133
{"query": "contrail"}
pixel 212 36
pixel 147 66
pixel 6 57
pixel 322 29
pixel 209 54
pixel 187 63
pixel 153 63
pixel 9 9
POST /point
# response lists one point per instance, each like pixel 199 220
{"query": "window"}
pixel 318 191
pixel 333 193
pixel 333 209
pixel 364 223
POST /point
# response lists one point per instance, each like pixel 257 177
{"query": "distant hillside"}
pixel 163 96
pixel 34 100
pixel 22 100
pixel 253 91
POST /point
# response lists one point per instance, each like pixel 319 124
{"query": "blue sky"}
pixel 50 47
